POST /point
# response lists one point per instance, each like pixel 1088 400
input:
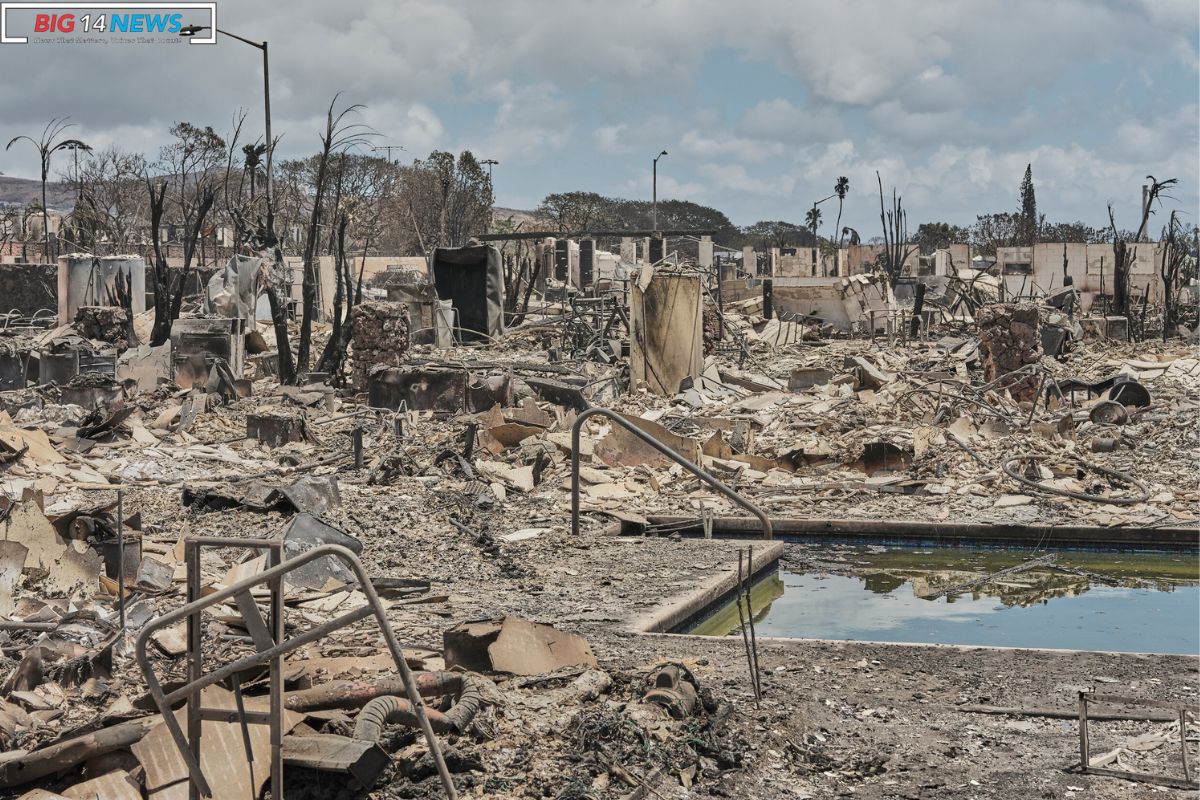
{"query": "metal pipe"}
pixel 121 556
pixel 767 530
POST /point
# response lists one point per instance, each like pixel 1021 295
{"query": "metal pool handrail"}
pixel 768 531
pixel 373 607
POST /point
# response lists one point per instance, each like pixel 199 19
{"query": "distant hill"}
pixel 23 191
pixel 528 220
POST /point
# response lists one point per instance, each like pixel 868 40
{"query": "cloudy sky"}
pixel 762 104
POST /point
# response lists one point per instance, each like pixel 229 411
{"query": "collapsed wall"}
pixel 380 337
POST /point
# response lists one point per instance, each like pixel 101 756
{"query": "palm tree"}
pixel 46 145
pixel 252 155
pixel 840 189
pixel 812 219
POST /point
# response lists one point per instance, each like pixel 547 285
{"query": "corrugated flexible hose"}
pixel 392 710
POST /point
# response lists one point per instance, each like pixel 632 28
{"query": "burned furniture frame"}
pixel 617 419
pixel 1085 756
pixel 271 647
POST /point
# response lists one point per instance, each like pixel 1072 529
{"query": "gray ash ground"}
pixel 837 719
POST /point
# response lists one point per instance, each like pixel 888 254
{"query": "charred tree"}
pixel 896 247
pixel 1123 253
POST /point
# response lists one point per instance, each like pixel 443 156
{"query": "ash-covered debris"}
pixel 448 472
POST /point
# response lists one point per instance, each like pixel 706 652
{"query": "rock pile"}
pixel 1009 339
pixel 380 337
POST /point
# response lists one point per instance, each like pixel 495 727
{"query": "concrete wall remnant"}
pixel 85 280
pixel 666 341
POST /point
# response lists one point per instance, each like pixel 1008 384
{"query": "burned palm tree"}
pixel 812 220
pixel 841 189
pixel 47 144
pixel 339 136
pixel 896 247
pixel 252 160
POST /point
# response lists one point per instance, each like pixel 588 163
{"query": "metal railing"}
pixel 270 649
pixel 768 531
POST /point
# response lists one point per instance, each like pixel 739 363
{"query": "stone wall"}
pixel 29 288
pixel 1009 339
pixel 380 337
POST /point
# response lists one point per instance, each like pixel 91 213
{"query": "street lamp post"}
pixel 654 192
pixel 192 30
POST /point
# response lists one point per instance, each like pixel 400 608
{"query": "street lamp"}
pixel 654 192
pixel 192 30
pixel 489 162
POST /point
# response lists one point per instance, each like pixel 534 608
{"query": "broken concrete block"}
pixel 305 532
pixel 514 645
pixel 275 429
pixel 154 575
pixel 803 378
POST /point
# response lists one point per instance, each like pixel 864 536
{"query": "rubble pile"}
pixel 106 324
pixel 447 475
pixel 380 337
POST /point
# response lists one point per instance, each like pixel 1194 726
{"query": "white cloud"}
pixel 948 101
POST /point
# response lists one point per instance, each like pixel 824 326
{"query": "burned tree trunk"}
pixel 161 273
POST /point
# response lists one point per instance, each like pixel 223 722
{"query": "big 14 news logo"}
pixel 108 23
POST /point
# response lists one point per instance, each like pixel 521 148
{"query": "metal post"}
pixel 617 419
pixel 720 304
pixel 121 556
pixel 195 657
pixel 1084 757
pixel 275 671
pixel 1187 772
pixel 270 142
pixel 356 438
pixel 654 193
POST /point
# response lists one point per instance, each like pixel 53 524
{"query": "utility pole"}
pixel 388 148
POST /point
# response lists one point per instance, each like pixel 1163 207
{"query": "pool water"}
pixel 1086 601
